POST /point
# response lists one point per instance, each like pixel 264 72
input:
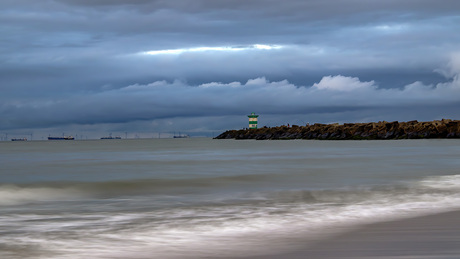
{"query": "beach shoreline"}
pixel 431 236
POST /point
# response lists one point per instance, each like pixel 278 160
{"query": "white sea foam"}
pixel 256 195
pixel 232 230
pixel 15 195
pixel 449 182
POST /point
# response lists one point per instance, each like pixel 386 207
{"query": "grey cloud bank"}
pixel 73 65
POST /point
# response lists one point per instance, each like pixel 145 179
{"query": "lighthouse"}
pixel 253 121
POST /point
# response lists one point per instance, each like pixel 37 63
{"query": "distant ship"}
pixel 181 136
pixel 61 138
pixel 110 137
pixel 18 139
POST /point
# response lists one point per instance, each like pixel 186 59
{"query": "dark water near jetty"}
pixel 204 198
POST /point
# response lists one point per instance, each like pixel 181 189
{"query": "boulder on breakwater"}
pixel 444 128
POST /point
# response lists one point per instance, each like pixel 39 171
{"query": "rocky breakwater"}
pixel 373 130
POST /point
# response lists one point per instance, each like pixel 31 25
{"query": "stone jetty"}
pixel 444 128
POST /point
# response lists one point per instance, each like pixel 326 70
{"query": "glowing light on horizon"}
pixel 220 49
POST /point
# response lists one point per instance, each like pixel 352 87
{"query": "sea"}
pixel 208 198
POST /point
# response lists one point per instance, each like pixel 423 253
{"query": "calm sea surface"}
pixel 204 198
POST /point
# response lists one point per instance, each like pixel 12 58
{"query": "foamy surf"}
pixel 215 199
pixel 230 228
pixel 17 195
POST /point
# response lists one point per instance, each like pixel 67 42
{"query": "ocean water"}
pixel 205 198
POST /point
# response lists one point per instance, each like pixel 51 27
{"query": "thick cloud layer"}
pixel 162 99
pixel 201 66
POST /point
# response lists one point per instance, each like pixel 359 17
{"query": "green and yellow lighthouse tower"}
pixel 253 121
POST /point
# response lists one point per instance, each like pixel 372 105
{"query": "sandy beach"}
pixel 434 236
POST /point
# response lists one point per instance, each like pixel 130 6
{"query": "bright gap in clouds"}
pixel 200 49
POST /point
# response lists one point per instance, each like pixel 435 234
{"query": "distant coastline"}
pixel 444 128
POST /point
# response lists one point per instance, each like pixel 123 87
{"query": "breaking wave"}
pixel 14 195
pixel 233 226
pixel 428 188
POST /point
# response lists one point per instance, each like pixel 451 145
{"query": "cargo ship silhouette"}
pixel 61 138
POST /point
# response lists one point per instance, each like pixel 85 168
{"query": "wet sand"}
pixel 434 237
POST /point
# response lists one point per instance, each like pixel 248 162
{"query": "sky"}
pixel 152 68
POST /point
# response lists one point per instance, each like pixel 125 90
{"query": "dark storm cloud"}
pixel 83 62
pixel 161 99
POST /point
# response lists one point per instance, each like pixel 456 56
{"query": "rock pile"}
pixel 374 130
